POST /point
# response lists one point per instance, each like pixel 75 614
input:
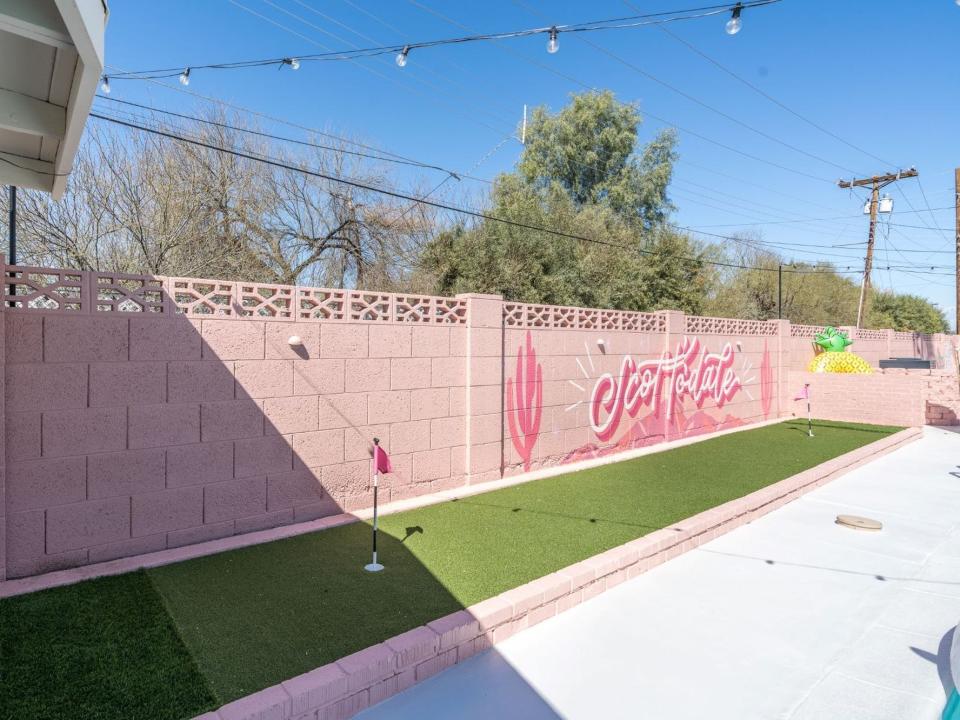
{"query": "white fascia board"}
pixel 28 173
pixel 86 22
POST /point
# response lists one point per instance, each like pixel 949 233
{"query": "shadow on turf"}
pixel 178 640
pixel 566 516
pixel 801 426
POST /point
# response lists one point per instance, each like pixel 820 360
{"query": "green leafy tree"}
pixel 581 174
pixel 813 293
pixel 907 313
pixel 590 150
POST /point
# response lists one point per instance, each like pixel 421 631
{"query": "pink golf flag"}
pixel 804 393
pixel 381 461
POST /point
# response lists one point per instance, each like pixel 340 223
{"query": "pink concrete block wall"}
pixel 131 425
pixel 132 434
pixel 883 399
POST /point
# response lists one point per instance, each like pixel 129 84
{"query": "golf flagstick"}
pixel 809 417
pixel 380 462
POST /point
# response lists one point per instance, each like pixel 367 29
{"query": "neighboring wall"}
pixel 872 345
pixel 887 397
pixel 144 413
pixel 877 398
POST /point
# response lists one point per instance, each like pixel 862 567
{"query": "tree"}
pixel 813 293
pixel 144 204
pixel 590 150
pixel 582 176
pixel 907 313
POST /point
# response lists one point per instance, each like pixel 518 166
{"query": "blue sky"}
pixel 880 75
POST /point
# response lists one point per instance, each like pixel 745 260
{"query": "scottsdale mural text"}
pixel 662 384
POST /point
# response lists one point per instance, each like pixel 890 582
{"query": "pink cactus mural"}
pixel 766 381
pixel 525 410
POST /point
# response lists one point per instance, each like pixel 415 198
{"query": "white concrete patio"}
pixel 790 617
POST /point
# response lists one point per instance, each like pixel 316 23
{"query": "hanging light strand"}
pixel 403 51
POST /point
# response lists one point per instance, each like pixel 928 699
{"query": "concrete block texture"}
pixel 23 338
pixel 162 339
pixel 199 464
pixel 230 340
pixel 38 386
pixel 38 484
pixel 234 499
pixel 130 383
pixel 161 512
pixel 163 425
pixel 130 472
pixel 82 432
pixel 93 522
pixel 210 426
pixel 68 338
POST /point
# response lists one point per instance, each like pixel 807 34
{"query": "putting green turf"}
pixel 252 617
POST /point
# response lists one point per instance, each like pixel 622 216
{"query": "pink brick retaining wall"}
pixel 147 413
pixel 342 689
pixel 887 397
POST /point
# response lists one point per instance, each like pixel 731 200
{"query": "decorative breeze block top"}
pixel 524 315
pixel 729 326
pixel 806 331
pixel 75 291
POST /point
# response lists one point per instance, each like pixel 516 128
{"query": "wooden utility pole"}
pixel 876 182
pixel 956 202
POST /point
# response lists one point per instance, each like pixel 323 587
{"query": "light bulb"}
pixel 553 44
pixel 734 23
pixel 185 77
pixel 105 85
pixel 402 57
pixel 294 64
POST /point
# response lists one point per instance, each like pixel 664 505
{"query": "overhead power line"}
pixel 281 138
pixel 682 93
pixel 451 208
pixel 646 112
pixel 450 174
pixel 693 48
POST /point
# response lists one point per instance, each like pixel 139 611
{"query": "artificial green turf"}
pixel 99 650
pixel 255 616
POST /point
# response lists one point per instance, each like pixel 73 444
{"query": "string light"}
pixel 553 44
pixel 734 23
pixel 105 85
pixel 402 51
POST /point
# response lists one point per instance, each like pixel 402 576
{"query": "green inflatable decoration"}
pixel 833 340
pixel 834 356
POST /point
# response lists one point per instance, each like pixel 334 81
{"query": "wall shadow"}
pixel 250 617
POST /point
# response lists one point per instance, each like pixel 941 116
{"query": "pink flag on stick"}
pixel 381 461
pixel 804 393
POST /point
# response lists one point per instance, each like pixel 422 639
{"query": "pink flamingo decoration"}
pixel 766 381
pixel 525 411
